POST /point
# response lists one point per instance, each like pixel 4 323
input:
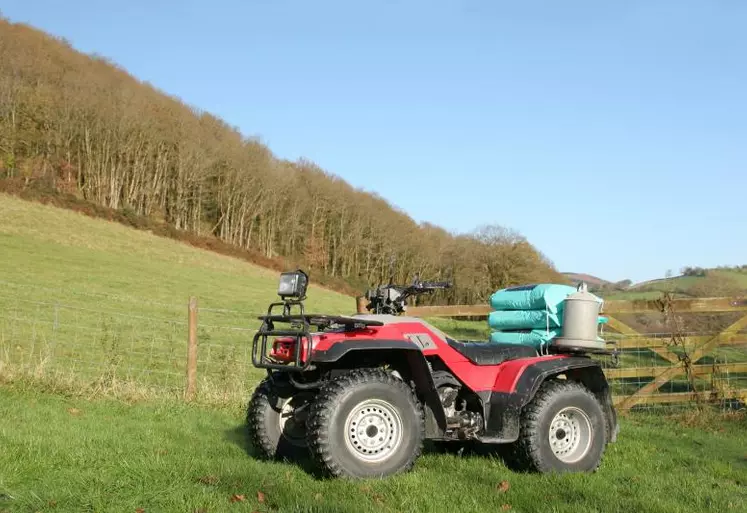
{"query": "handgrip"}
pixel 433 285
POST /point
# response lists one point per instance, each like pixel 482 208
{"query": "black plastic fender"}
pixel 398 353
pixel 503 410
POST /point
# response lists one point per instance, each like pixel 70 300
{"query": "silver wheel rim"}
pixel 292 428
pixel 373 430
pixel 570 434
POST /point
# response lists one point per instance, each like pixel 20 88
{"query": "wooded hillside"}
pixel 80 124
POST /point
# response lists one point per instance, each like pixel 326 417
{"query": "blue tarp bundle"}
pixel 524 319
pixel 529 315
pixel 535 338
pixel 543 296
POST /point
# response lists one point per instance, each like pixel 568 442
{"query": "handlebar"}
pixel 391 298
pixel 431 285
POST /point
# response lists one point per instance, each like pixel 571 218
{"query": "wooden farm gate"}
pixel 712 361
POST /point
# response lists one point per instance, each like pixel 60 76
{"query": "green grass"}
pixel 680 285
pixel 633 295
pixel 86 302
pixel 77 255
pixel 89 306
pixel 94 302
pixel 685 282
pixel 68 454
pixel 462 330
pixel 91 298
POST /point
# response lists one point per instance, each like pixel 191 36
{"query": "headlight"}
pixel 293 285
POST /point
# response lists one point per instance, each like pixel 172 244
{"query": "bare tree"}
pixel 82 125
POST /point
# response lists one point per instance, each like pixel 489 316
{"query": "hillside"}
pixel 78 124
pixel 591 281
pixel 90 298
pixel 706 283
pixel 696 282
pixel 76 255
pixel 105 305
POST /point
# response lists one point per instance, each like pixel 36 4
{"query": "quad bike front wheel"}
pixel 563 429
pixel 366 423
pixel 276 418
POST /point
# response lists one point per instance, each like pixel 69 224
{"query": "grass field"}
pixel 86 302
pixel 93 298
pixel 104 305
pixel 680 285
pixel 89 300
pixel 89 307
pixel 632 295
pixel 69 454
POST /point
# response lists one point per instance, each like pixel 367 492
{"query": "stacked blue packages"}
pixel 529 314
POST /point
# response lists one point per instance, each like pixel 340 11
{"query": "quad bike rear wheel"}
pixel 563 429
pixel 276 420
pixel 366 423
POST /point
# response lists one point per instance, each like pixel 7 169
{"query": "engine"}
pixel 461 421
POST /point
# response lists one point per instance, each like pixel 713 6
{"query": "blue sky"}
pixel 613 135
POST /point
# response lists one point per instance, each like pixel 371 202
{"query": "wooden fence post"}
pixel 360 304
pixel 191 388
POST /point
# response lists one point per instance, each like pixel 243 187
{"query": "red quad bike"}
pixel 361 393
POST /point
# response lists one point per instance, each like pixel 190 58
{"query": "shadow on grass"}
pixel 240 437
pixel 465 449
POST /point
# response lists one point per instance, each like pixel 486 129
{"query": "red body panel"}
pixel 498 378
pixel 510 372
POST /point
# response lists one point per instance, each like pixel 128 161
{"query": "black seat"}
pixel 489 353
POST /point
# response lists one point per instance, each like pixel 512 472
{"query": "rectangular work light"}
pixel 293 285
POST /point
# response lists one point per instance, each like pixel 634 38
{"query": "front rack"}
pixel 300 330
pixel 301 334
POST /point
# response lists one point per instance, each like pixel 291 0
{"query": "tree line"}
pixel 83 125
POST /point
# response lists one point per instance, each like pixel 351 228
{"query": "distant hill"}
pixel 694 282
pixel 598 285
pixel 591 281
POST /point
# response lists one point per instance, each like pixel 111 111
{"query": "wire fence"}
pixel 117 342
pixel 680 353
pixel 641 377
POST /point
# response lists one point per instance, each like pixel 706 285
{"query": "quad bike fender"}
pixel 402 356
pixel 503 404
